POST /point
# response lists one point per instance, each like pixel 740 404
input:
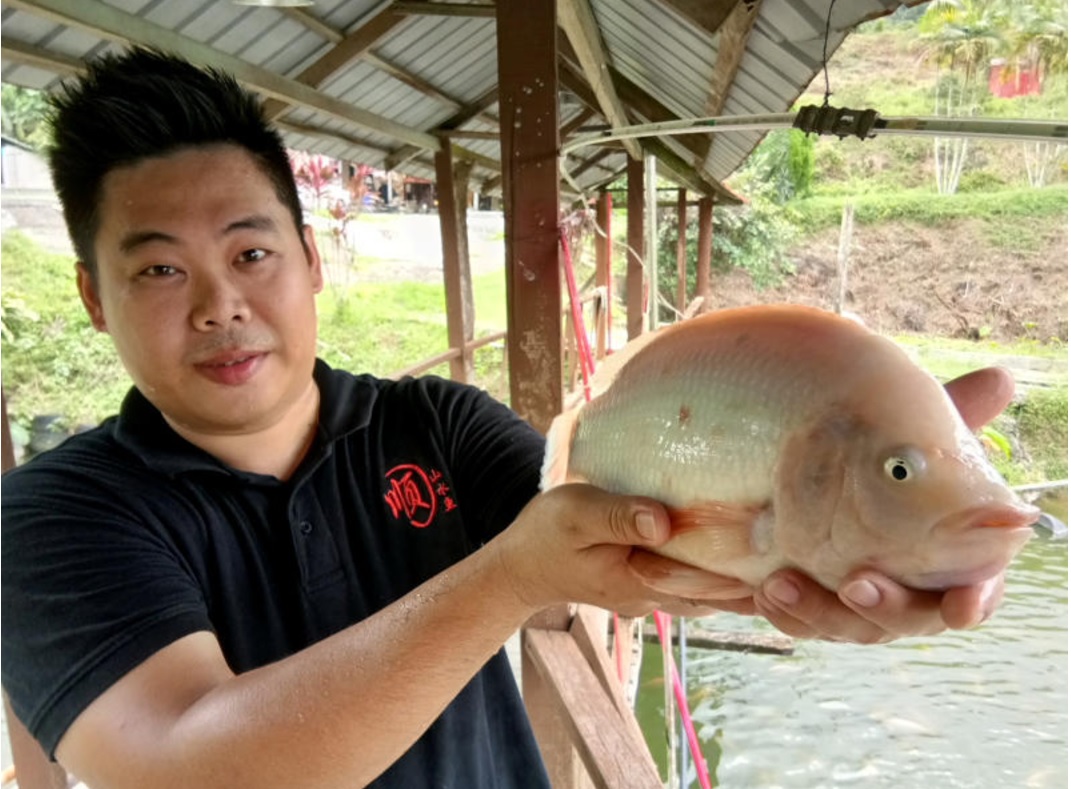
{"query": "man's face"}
pixel 206 290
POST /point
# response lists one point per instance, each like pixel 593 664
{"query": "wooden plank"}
pixel 528 98
pixel 682 248
pixel 579 23
pixel 634 284
pixel 559 756
pixel 30 55
pixel 444 9
pixel 589 631
pixel 604 245
pixel 702 263
pixel 758 643
pixel 588 715
pixel 452 187
pixel 732 46
pixel 314 23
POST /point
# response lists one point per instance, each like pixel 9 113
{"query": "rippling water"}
pixel 981 708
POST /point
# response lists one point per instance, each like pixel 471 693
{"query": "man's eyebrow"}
pixel 138 238
pixel 251 222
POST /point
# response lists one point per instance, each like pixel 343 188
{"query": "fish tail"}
pixel 556 455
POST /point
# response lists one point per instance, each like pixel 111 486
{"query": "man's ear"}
pixel 313 256
pixel 87 289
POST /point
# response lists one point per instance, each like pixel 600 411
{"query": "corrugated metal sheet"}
pixel 648 42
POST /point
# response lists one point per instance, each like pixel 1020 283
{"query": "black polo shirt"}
pixel 126 538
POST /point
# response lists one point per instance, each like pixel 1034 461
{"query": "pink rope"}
pixel 662 624
pixel 587 359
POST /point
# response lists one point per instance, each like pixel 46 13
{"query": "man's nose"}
pixel 218 303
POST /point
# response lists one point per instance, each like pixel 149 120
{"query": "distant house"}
pixel 1007 81
pixel 21 167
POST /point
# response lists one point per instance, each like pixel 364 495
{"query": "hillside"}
pixel 988 262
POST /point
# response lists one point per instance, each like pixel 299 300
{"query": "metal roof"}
pixel 380 82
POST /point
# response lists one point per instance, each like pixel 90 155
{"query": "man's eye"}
pixel 160 270
pixel 253 255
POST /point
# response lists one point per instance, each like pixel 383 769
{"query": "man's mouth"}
pixel 232 369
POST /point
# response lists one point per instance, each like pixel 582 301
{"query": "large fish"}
pixel 788 436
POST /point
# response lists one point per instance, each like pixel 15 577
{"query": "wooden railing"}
pixel 587 732
pixel 448 355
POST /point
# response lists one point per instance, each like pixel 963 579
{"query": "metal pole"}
pixel 650 215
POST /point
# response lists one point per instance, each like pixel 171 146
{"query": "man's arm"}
pixel 341 711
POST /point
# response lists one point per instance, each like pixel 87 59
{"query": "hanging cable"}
pixel 825 53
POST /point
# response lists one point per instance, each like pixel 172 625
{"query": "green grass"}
pixel 926 207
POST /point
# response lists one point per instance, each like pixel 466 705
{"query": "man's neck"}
pixel 276 450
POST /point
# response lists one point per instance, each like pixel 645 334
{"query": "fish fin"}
pixel 555 469
pixel 713 515
pixel 714 529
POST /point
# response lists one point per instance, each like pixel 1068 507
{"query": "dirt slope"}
pixel 959 280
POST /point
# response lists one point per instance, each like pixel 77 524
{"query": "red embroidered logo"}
pixel 417 494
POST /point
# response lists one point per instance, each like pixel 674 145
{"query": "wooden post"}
pixel 844 249
pixel 682 250
pixel 702 263
pixel 528 125
pixel 604 277
pixel 452 181
pixel 634 301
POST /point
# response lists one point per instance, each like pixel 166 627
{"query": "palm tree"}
pixel 1038 42
pixel 961 36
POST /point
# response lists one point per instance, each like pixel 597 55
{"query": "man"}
pixel 265 572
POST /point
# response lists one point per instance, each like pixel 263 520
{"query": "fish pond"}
pixel 979 708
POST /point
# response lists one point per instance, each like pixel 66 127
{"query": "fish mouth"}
pixel 1011 519
pixel 984 538
pixel 940 580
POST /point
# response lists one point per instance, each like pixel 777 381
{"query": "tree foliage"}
pixel 25 115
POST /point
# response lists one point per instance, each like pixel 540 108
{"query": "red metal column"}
pixel 528 123
pixel 634 284
pixel 452 183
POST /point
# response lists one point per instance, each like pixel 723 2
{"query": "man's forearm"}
pixel 335 714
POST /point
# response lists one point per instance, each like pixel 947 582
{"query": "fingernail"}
pixel 646 525
pixel 862 593
pixel 782 591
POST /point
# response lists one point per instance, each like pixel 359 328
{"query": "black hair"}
pixel 144 103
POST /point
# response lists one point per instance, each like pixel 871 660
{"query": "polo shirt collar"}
pixel 346 404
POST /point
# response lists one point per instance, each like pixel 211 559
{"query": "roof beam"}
pixel 314 23
pixel 111 23
pixel 350 48
pixel 30 55
pixel 707 14
pixel 444 9
pixel 578 21
pixel 678 169
pixel 732 46
pixel 466 114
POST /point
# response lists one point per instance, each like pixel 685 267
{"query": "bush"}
pixel 55 362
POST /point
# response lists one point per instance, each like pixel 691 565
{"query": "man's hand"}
pixel 574 544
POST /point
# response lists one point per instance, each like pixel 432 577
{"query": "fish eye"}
pixel 904 466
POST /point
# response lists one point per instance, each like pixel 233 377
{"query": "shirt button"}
pixel 305 528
